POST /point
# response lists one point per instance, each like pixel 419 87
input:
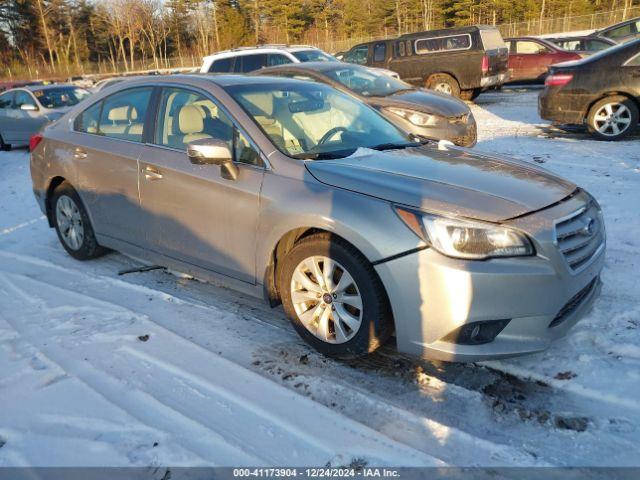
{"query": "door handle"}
pixel 152 174
pixel 79 153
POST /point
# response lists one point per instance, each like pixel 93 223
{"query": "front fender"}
pixel 368 223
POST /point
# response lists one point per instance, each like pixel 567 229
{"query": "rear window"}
pixel 224 65
pixel 491 39
pixel 443 44
pixel 60 96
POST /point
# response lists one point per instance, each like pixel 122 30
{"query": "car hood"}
pixel 424 101
pixel 448 181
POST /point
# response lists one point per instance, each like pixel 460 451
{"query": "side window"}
pixel 6 100
pixel 440 44
pixel 409 47
pixel 528 48
pixel 277 59
pixel 357 55
pixel 123 114
pixel 380 52
pixel 401 49
pixel 185 116
pixel 23 98
pixel 249 63
pixel 87 121
pixel 224 65
pixel 621 31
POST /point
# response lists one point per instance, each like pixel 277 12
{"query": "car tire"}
pixel 4 147
pixel 72 224
pixel 612 118
pixel 470 95
pixel 356 313
pixel 443 83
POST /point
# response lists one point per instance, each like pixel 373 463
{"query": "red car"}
pixel 530 58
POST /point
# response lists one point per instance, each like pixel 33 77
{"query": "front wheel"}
pixel 334 298
pixel 72 224
pixel 612 118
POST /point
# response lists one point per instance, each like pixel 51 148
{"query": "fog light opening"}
pixel 476 333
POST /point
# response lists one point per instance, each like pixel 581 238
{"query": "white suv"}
pixel 248 59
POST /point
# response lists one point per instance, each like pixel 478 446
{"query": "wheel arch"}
pixel 612 93
pixel 442 72
pixel 54 183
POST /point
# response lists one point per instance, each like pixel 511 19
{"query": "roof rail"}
pixel 264 45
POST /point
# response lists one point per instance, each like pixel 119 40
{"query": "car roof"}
pixel 49 87
pixel 260 49
pixel 311 66
pixel 222 80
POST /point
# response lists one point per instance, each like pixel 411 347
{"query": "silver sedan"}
pixel 299 193
pixel 24 111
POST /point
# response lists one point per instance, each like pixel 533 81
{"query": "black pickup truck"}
pixel 461 61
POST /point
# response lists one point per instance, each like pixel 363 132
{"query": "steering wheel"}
pixel 327 136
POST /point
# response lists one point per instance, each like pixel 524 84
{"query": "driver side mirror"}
pixel 28 107
pixel 212 151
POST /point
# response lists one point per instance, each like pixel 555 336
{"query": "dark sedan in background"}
pixel 531 57
pixel 601 91
pixel 424 113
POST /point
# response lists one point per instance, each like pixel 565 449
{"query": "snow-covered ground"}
pixel 153 369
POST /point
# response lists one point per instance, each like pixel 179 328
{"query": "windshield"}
pixel 314 121
pixel 367 82
pixel 313 56
pixel 60 96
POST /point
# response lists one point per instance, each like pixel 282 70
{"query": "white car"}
pixel 249 59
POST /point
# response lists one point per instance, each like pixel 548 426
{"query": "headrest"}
pixel 190 119
pixel 263 103
pixel 127 112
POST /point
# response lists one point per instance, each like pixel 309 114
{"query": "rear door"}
pixel 530 59
pixel 630 75
pixel 106 145
pixel 192 213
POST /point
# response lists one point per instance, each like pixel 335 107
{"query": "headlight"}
pixel 466 239
pixel 417 118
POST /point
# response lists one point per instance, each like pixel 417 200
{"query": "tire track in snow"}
pixel 286 416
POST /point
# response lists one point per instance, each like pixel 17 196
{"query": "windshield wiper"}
pixel 320 156
pixel 393 146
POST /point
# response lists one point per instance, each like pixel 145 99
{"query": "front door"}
pixel 27 117
pixel 192 213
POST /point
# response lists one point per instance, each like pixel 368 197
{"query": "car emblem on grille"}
pixel 589 227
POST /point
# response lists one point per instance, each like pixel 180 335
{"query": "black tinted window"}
pixel 277 59
pixel 249 63
pixel 379 52
pixel 224 65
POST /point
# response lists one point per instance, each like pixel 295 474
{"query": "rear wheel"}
pixel 334 298
pixel 3 146
pixel 443 83
pixel 613 118
pixel 72 224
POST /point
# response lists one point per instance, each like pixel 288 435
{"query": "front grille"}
pixel 580 236
pixel 573 304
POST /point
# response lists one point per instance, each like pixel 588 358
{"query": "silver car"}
pixel 24 111
pixel 301 194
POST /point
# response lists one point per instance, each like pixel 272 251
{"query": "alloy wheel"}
pixel 612 119
pixel 326 299
pixel 69 222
